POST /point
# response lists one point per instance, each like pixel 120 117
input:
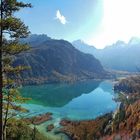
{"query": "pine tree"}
pixel 11 30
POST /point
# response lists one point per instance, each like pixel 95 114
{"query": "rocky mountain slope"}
pixel 53 60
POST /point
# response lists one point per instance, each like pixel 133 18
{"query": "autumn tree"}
pixel 11 30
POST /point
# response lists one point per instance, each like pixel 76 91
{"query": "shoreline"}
pixel 59 132
pixel 43 130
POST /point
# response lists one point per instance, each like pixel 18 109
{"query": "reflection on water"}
pixel 77 101
pixel 58 95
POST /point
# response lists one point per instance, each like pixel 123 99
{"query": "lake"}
pixel 76 101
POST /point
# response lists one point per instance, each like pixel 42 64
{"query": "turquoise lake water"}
pixel 76 101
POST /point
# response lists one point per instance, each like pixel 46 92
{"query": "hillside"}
pixel 129 88
pixel 123 124
pixel 53 60
pixel 118 56
pixel 128 85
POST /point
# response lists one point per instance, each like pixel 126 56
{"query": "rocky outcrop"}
pixel 36 120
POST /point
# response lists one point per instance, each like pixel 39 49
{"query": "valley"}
pixel 69 70
pixel 86 100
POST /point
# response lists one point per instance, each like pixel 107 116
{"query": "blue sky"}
pixel 97 22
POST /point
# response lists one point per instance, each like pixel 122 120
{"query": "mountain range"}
pixel 52 60
pixel 118 56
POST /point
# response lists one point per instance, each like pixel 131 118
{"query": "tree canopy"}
pixel 11 30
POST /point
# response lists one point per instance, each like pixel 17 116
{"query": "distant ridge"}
pixel 34 39
pixel 118 56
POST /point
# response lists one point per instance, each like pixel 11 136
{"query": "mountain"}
pixel 35 40
pixel 118 56
pixel 53 60
pixel 82 46
pixel 134 41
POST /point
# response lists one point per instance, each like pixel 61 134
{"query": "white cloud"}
pixel 60 17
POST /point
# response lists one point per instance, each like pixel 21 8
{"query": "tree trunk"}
pixel 5 119
pixel 1 79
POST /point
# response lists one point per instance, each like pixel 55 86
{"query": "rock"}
pixel 117 137
pixel 64 122
pixel 50 127
pixel 36 120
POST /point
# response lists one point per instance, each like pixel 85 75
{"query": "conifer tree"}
pixel 11 30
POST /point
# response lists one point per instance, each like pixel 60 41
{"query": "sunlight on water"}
pixel 77 101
